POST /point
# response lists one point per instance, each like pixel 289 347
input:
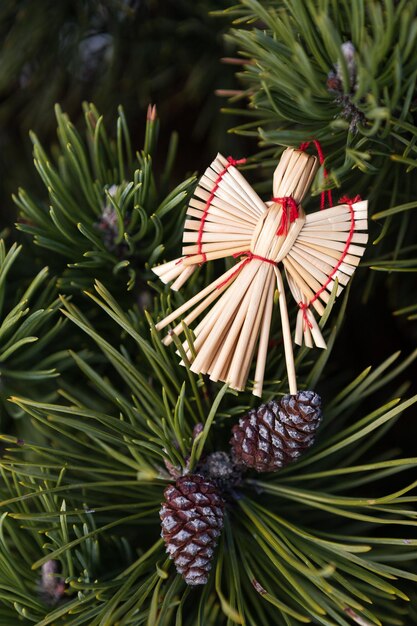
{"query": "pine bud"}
pixel 108 225
pixel 345 93
pixel 52 586
pixel 222 471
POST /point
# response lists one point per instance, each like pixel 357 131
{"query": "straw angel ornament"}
pixel 227 218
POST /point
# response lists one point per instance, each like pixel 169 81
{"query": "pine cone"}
pixel 276 433
pixel 192 519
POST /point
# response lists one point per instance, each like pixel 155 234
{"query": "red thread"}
pixel 304 308
pixel 235 162
pixel 321 156
pixel 230 161
pixel 289 213
pixel 249 256
pixel 350 201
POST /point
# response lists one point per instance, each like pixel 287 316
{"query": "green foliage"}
pixel 106 214
pixel 30 329
pixel 294 53
pixel 307 544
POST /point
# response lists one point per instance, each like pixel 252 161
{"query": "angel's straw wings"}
pixel 227 218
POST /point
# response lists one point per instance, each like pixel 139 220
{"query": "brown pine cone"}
pixel 192 520
pixel 276 433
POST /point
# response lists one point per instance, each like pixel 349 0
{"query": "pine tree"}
pixel 100 419
pixel 110 52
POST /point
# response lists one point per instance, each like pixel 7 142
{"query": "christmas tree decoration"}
pixel 192 520
pixel 276 433
pixel 226 218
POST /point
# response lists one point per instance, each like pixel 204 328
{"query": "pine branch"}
pixel 29 324
pixel 311 539
pixel 107 214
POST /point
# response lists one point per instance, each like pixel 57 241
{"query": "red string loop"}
pixel 321 156
pixel 304 308
pixel 289 213
pixel 230 162
pixel 350 201
pixel 235 162
pixel 249 257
